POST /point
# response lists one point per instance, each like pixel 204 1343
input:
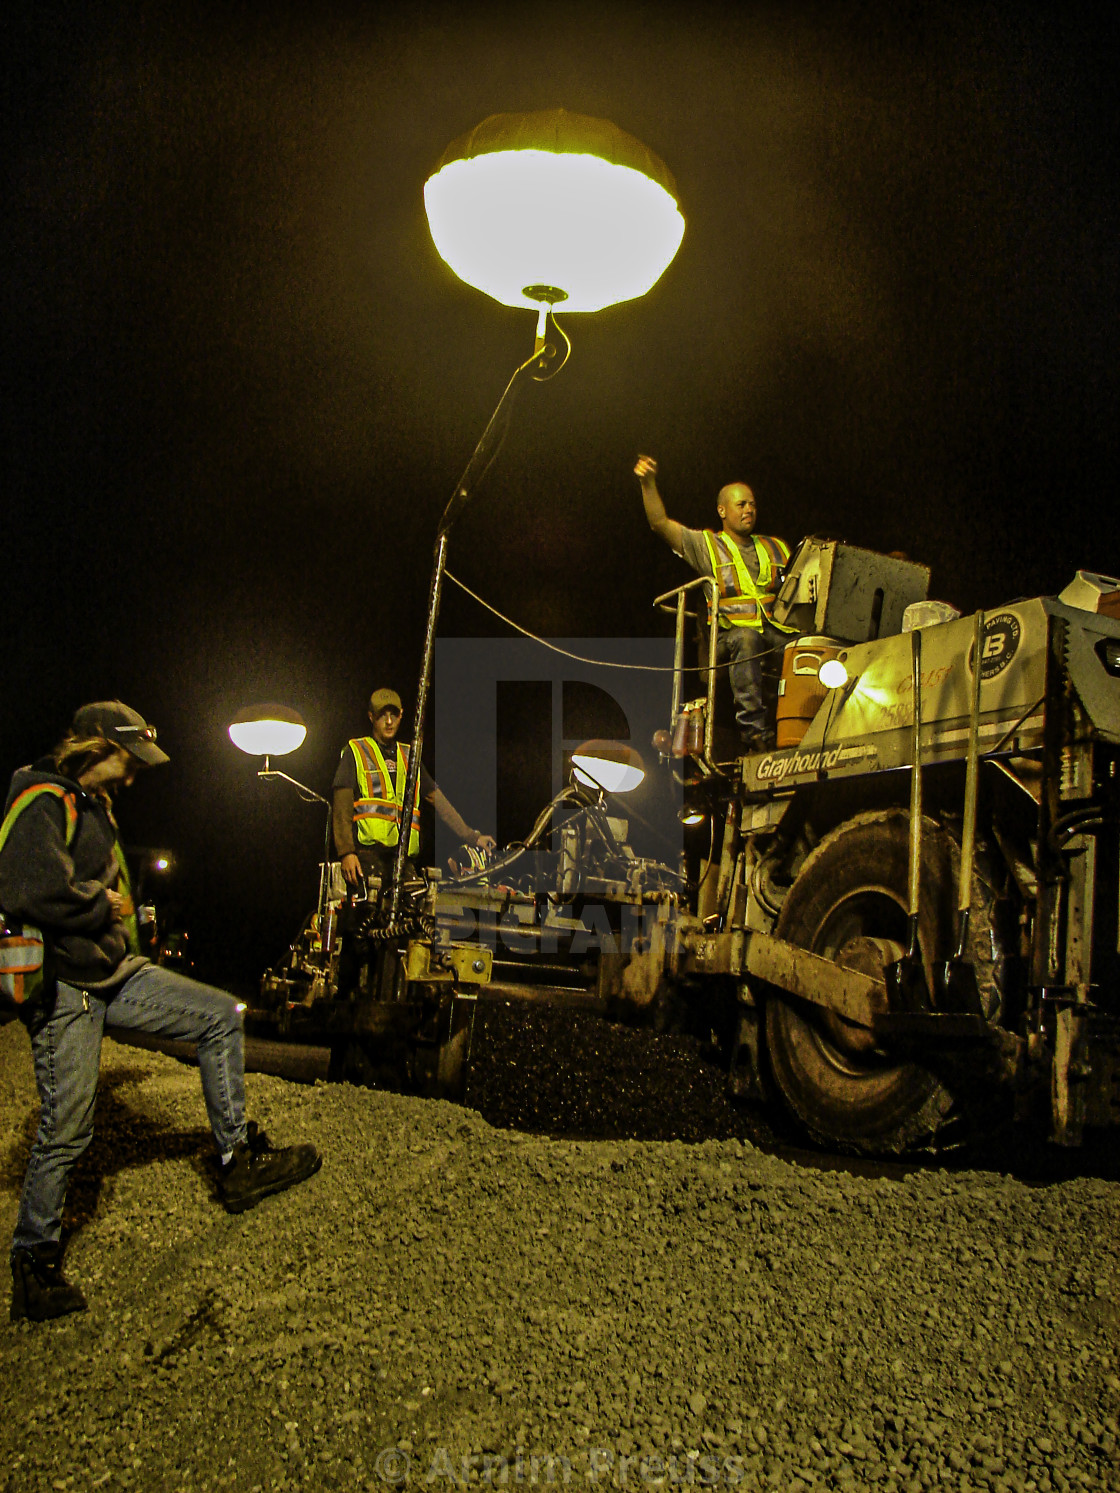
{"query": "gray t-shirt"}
pixel 694 550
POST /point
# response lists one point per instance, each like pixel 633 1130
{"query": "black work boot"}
pixel 257 1168
pixel 39 1290
pixel 751 742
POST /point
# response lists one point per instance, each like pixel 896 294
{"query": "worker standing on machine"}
pixel 63 870
pixel 368 792
pixel 748 571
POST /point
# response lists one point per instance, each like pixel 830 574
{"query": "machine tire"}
pixel 849 903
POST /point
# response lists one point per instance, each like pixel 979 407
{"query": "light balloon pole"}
pixel 538 210
pixel 273 731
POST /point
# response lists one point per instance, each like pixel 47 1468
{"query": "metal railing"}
pixel 680 610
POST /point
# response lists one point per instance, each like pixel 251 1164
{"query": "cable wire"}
pixel 579 658
pixel 543 377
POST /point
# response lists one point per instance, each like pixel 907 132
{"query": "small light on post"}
pixel 267 730
pixel 610 765
pixel 274 731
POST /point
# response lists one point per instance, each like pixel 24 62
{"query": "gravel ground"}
pixel 449 1302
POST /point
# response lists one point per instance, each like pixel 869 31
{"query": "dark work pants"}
pixel 744 650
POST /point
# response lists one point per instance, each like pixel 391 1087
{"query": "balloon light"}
pixel 554 208
pixel 267 730
pixel 545 210
pixel 611 765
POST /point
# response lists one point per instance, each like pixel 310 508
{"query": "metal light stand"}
pixel 309 793
pixel 479 464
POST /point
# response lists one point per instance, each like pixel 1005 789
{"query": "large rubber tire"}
pixel 849 903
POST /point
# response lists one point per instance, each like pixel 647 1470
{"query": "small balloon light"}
pixel 611 765
pixel 267 730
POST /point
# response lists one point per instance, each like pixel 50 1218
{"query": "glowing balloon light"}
pixel 612 765
pixel 267 730
pixel 569 207
pixel 539 210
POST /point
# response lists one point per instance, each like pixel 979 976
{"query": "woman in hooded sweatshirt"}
pixel 63 871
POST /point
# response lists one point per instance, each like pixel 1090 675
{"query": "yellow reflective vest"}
pixel 378 799
pixel 745 602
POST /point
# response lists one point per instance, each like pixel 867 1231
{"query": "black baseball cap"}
pixel 124 727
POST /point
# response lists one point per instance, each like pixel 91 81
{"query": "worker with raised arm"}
pixel 747 567
pixel 368 792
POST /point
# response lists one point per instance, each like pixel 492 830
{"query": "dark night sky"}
pixel 241 384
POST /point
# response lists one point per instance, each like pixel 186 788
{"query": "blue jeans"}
pixel 66 1048
pixel 742 649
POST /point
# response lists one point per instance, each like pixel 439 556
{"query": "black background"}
pixel 240 384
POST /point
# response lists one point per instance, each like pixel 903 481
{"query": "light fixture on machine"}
pixel 613 766
pixel 833 674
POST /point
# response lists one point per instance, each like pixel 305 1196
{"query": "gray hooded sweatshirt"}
pixel 62 888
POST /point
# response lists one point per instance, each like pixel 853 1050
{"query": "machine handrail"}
pixel 659 601
pixel 681 612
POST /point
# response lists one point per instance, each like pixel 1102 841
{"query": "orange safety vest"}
pixel 378 801
pixel 745 602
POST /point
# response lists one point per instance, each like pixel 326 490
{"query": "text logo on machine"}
pixel 778 765
pixel 998 644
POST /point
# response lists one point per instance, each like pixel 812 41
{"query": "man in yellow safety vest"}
pixel 368 792
pixel 747 567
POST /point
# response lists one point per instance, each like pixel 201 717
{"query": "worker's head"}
pixel 107 745
pixel 385 714
pixel 737 509
pixel 121 726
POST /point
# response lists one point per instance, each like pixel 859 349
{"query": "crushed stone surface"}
pixel 448 1304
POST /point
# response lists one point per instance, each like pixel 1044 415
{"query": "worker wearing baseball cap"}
pixel 368 793
pixel 63 874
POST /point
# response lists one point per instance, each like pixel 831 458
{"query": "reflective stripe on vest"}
pixel 22 800
pixel 128 906
pixel 745 602
pixel 377 803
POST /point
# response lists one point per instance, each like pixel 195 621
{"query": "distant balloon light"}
pixel 267 730
pixel 612 765
pixel 554 208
